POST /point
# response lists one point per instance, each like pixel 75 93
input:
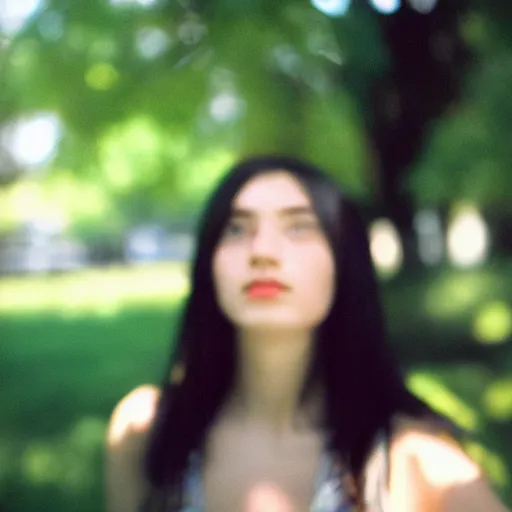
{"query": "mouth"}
pixel 264 289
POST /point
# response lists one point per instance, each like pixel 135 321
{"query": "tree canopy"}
pixel 153 100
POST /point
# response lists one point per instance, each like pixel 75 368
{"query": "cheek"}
pixel 316 272
pixel 316 267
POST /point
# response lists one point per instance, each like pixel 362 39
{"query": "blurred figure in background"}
pixel 289 398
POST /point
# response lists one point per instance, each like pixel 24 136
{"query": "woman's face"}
pixel 274 233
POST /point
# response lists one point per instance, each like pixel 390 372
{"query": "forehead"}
pixel 271 191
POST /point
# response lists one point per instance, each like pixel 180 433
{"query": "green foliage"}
pixel 468 152
pixel 135 88
pixel 140 120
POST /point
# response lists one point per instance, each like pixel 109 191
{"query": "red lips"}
pixel 265 288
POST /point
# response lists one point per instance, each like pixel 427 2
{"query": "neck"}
pixel 271 370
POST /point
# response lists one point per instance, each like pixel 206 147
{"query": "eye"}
pixel 234 229
pixel 303 226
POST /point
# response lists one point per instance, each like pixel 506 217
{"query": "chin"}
pixel 269 323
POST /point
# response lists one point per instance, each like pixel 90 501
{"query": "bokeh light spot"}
pixel 332 7
pixel 51 25
pixel 498 399
pixel 423 6
pixel 457 294
pixel 15 13
pixel 40 464
pixel 467 237
pixel 152 42
pixel 138 143
pixel 101 76
pixel 191 31
pixel 225 107
pixel 493 323
pixel 427 224
pixel 386 6
pixel 385 246
pixel 32 140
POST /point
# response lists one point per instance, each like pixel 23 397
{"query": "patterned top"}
pixel 329 495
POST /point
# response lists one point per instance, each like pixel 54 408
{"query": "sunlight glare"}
pixel 332 7
pixel 15 13
pixel 32 141
pixel 386 246
pixel 467 238
pixel 133 413
pixel 386 6
pixel 84 293
pixel 456 468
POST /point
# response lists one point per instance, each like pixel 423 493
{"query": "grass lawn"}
pixel 60 380
pixel 72 345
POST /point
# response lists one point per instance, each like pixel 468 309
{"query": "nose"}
pixel 265 248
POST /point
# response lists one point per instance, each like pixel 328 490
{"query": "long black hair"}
pixel 352 362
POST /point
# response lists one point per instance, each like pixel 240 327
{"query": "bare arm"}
pixel 433 474
pixel 126 442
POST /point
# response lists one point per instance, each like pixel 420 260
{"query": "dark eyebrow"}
pixel 290 210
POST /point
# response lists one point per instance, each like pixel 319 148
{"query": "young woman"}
pixel 289 399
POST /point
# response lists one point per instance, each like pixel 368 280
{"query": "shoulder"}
pixel 127 435
pixel 133 414
pixel 427 460
pixel 434 450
